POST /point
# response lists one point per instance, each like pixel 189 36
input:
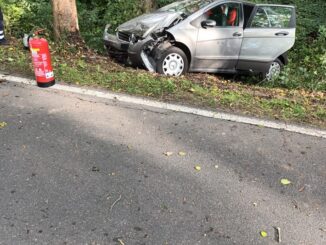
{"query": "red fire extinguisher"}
pixel 41 57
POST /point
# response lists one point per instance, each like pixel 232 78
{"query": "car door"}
pixel 218 47
pixel 269 34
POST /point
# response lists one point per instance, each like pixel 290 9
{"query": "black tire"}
pixel 268 75
pixel 170 51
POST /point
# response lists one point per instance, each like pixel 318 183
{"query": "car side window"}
pixel 272 17
pixel 261 19
pixel 225 15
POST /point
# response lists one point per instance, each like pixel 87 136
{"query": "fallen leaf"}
pixel 302 188
pixel 121 242
pixel 285 182
pixel 168 154
pixel 182 154
pixel 3 124
pixel 95 169
pixel 263 234
pixel 198 168
pixel 192 90
pixel 278 235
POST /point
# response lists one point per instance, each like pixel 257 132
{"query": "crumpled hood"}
pixel 157 20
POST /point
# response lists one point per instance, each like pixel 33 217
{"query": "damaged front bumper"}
pixel 115 47
pixel 132 52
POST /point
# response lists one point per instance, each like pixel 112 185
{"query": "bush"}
pixel 24 15
pixel 93 17
pixel 307 66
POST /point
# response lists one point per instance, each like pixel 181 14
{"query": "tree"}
pixel 65 18
pixel 149 5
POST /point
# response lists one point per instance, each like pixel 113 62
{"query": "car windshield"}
pixel 186 7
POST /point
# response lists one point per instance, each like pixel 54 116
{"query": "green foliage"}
pixel 95 15
pixel 307 66
pixel 13 12
pixel 24 15
pixel 161 3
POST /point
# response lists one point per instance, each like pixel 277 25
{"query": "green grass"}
pixel 200 90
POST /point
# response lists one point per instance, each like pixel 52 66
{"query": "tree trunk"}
pixel 65 18
pixel 149 5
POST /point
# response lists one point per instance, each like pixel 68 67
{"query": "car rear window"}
pixel 272 17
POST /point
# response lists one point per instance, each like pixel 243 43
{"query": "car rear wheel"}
pixel 274 70
pixel 173 62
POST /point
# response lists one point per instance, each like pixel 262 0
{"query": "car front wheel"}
pixel 274 70
pixel 173 62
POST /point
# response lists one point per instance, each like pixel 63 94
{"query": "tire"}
pixel 173 62
pixel 274 70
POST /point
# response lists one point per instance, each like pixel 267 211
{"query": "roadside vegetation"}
pixel 298 95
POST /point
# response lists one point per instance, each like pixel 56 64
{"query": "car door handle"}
pixel 237 34
pixel 282 33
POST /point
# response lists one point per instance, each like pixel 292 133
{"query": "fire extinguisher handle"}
pixel 39 31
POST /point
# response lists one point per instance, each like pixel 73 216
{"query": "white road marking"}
pixel 177 108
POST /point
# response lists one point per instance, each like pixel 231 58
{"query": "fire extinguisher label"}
pixel 49 75
pixel 35 51
pixel 39 72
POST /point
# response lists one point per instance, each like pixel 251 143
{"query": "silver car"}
pixel 215 36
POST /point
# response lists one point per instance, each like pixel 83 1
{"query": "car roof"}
pixel 238 1
pixel 254 4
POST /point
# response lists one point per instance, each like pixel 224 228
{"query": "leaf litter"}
pixel 285 182
pixel 168 154
pixel 263 234
pixel 182 154
pixel 3 124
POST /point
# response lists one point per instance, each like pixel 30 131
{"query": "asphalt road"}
pixel 79 170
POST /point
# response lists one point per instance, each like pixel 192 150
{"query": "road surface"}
pixel 81 170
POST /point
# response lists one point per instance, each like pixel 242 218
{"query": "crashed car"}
pixel 214 36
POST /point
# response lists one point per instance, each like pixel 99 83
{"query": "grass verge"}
pixel 85 68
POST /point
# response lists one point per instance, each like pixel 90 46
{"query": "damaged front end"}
pixel 116 47
pixel 140 42
pixel 153 52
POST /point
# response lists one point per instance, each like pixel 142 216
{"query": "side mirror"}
pixel 208 23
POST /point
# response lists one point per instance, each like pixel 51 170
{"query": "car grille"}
pixel 124 36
